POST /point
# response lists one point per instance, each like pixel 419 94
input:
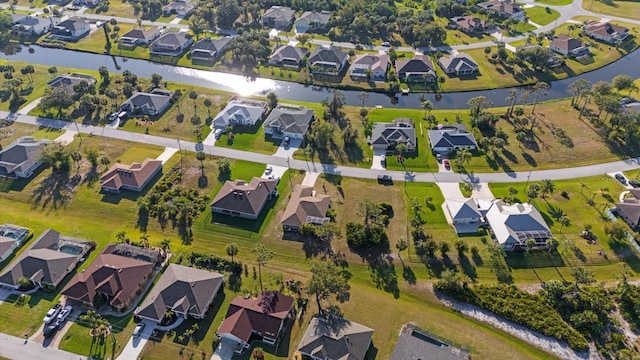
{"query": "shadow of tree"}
pixel 383 274
pixel 408 275
pixel 55 190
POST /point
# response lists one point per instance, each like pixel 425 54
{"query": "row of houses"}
pixel 371 67
pixel 67 30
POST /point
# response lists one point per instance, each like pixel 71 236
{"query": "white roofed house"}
pixel 312 21
pixel 71 30
pixel 240 112
pixel 464 215
pixel 34 25
pixel 512 225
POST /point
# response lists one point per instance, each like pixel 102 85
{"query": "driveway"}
pixel 287 151
pixel 166 154
pixel 224 351
pixel 136 344
pixel 67 137
pixel 626 184
pixel 276 172
pixel 310 178
pixel 481 191
pixel 451 191
pixel 377 159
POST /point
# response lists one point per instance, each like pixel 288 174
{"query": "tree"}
pixel 263 255
pixel 511 100
pixel 622 82
pixel 401 245
pixel 464 156
pixel 564 222
pixel 56 98
pixel 193 95
pixel 583 276
pixel 144 240
pixel 165 244
pixel 224 169
pixel 547 187
pixel 28 71
pixel 156 80
pixel 363 97
pixel 207 103
pixel 461 247
pixel 401 148
pixel 577 89
pixel 427 106
pixel 232 250
pixel 273 100
pixel 601 88
pixel 444 248
pixel 326 280
pixel 197 25
pixel 53 71
pixel 56 156
pixel 530 244
pixel 477 105
pixel 552 244
pixel 540 88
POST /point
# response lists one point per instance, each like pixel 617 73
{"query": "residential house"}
pixel 288 56
pixel 414 343
pixel 370 67
pixel 115 277
pixel 312 21
pixel 305 206
pixel 69 81
pixel 242 112
pixel 17 18
pixel 242 199
pixel 327 60
pixel 183 290
pixel 32 25
pixel 138 37
pixel 386 136
pixel 288 120
pixel 182 8
pixel 47 261
pixel 132 177
pixel 71 30
pixel 464 215
pixel 208 49
pixel 459 64
pixel 278 17
pixel 264 317
pixel 629 209
pixel 171 43
pixel 417 68
pixel 11 238
pixel 568 46
pixel 335 338
pixel 154 103
pixel 605 31
pixel 468 24
pixel 512 225
pixel 450 137
pixel 22 157
pixel 506 8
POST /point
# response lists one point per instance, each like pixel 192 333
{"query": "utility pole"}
pixel 180 150
pixel 289 170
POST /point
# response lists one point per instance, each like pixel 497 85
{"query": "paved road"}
pixel 346 171
pixel 136 344
pixel 16 348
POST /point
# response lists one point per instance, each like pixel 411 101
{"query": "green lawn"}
pixel 541 16
pixel 555 2
pixel 13 131
pixel 78 341
pixel 625 9
pixel 19 319
pixel 250 138
pixel 47 133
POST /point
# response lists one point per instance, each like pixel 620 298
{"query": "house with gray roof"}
pixel 11 238
pixel 327 60
pixel 415 343
pixel 288 56
pixel 370 67
pixel 464 215
pixel 512 225
pixel 33 25
pixel 71 30
pixel 417 68
pixel 138 37
pixel 186 291
pixel 242 112
pixel 68 81
pixel 171 43
pixel 22 157
pixel 278 17
pixel 448 138
pixel 179 7
pixel 458 64
pixel 629 209
pixel 242 199
pixel 154 103
pixel 288 120
pixel 335 338
pixel 386 136
pixel 312 21
pixel 47 261
pixel 208 49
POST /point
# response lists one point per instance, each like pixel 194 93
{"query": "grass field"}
pixel 250 138
pixel 555 2
pixel 11 133
pixel 78 341
pixel 541 15
pixel 625 9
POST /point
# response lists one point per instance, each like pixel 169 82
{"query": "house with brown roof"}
pixel 468 24
pixel 47 261
pixel 506 8
pixel 629 209
pixel 305 207
pixel 242 199
pixel 264 317
pixel 186 291
pixel 335 338
pixel 418 68
pixel 605 31
pixel 115 277
pixel 568 46
pixel 22 157
pixel 132 177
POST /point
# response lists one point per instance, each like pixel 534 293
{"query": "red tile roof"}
pixel 134 175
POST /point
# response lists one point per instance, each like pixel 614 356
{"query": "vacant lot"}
pixel 541 15
pixel 625 9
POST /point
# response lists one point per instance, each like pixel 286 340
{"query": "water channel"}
pixel 299 92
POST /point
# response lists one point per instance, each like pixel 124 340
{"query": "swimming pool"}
pixel 70 249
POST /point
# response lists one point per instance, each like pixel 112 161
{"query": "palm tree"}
pixel 564 222
pixel 401 148
pixel 427 106
pixel 121 236
pixel 207 103
pixel 165 245
pixel 401 245
pixel 547 187
pixel 197 26
pixel 465 156
pixel 144 239
pixel 232 250
pixel 263 255
pixel 363 97
pixel 552 244
pixel 193 95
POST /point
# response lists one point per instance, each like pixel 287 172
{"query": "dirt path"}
pixel 549 344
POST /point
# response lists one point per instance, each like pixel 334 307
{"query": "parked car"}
pixel 268 170
pixel 113 116
pixel 52 313
pixel 621 178
pixel 383 161
pixel 439 157
pixel 446 164
pixel 217 133
pixel 49 330
pixel 138 329
pixel 64 314
pixel 384 179
pixel 634 183
pixel 286 141
pixel 386 44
